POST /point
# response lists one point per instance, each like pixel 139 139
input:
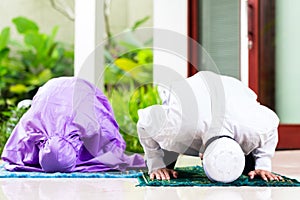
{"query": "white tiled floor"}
pixel 284 162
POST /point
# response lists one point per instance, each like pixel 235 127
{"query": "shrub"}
pixel 26 65
pixel 128 81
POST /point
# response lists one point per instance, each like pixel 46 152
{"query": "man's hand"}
pixel 265 175
pixel 163 174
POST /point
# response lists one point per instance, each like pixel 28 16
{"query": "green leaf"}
pixel 34 39
pixel 144 56
pixel 45 75
pixel 4 53
pixel 113 75
pixel 53 34
pixel 138 72
pixel 18 88
pixel 33 80
pixel 24 25
pixel 139 23
pixel 4 38
pixel 50 43
pixel 41 78
pixel 142 97
pixel 3 70
pixel 126 64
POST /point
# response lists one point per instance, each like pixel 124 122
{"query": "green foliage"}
pixel 4 135
pixel 13 114
pixel 128 81
pixel 143 97
pixel 24 25
pixel 4 38
pixel 126 103
pixel 127 59
pixel 139 23
pixel 26 65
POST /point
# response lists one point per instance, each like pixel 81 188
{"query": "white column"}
pixel 170 15
pixel 287 61
pixel 89 32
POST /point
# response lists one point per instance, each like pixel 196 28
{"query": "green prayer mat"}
pixel 195 176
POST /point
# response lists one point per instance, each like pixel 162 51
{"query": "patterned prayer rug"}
pixel 195 176
pixel 113 174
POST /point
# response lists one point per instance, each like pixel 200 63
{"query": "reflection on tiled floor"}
pixel 284 162
pixel 287 163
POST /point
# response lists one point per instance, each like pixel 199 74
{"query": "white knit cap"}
pixel 223 160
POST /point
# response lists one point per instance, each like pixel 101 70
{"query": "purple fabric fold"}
pixel 70 126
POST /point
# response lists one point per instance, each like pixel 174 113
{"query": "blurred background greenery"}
pixel 128 80
pixel 28 63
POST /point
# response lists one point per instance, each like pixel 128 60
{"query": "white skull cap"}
pixel 223 160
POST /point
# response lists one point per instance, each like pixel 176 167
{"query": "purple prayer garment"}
pixel 69 127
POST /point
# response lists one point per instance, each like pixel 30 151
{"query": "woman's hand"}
pixel 163 174
pixel 265 175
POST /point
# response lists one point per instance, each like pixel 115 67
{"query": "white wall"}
pixel 89 60
pixel 89 36
pixel 287 61
pixel 170 15
pixel 124 13
pixel 40 11
pixel 89 25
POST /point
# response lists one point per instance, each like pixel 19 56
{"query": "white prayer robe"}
pixel 203 106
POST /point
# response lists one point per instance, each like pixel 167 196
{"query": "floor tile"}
pixel 284 162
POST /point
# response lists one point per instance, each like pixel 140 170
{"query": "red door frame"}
pixel 289 135
pixel 253 33
pixel 193 34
